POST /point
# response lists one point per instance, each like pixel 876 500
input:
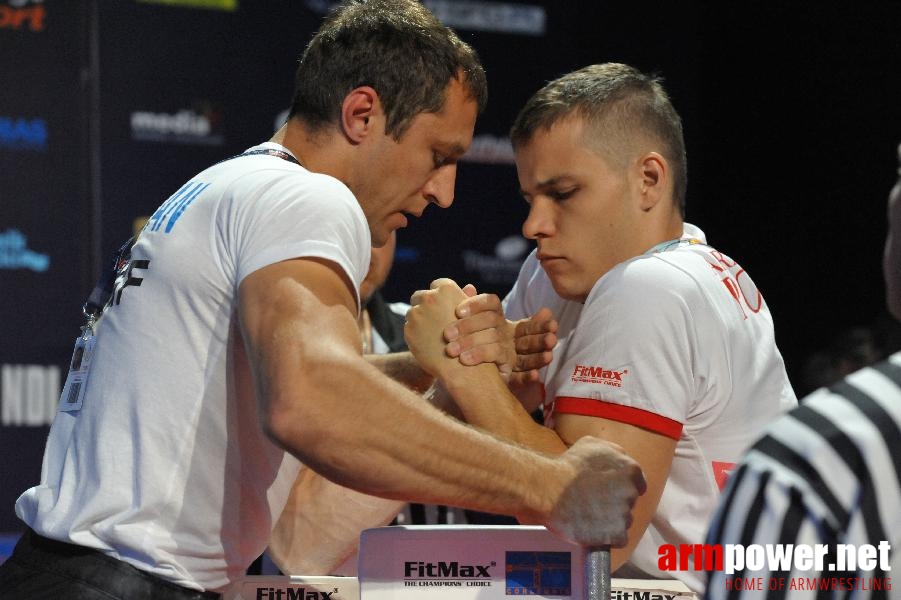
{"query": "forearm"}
pixel 321 401
pixel 403 368
pixel 438 396
pixel 486 402
pixel 321 524
pixel 391 444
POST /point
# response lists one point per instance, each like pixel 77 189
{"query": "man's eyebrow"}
pixel 548 183
pixel 456 150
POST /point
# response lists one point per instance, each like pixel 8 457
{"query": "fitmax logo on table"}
pixel 271 593
pixel 446 574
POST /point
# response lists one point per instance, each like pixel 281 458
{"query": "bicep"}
pixel 290 313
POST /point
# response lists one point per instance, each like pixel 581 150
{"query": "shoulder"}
pixel 650 280
pixel 300 184
pixel 255 175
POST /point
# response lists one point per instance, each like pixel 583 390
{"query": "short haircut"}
pixel 398 48
pixel 620 105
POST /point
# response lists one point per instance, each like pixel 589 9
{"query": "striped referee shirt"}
pixel 827 473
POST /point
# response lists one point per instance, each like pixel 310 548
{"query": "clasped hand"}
pixel 449 327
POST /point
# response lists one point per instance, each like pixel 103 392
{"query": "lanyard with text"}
pixel 673 244
pixel 282 154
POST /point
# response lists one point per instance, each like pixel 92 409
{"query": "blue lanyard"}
pixel 673 244
pixel 270 151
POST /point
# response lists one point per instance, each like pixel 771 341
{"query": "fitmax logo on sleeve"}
pixel 589 374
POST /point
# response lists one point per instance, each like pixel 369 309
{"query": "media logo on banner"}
pixel 23 133
pixel 498 17
pixel 192 126
pixel 828 565
pixel 15 254
pixel 29 394
pixel 502 267
pixel 23 15
pixel 536 573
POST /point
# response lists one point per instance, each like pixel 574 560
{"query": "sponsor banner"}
pixel 19 133
pixel 225 5
pixel 466 561
pixel 490 149
pixel 498 17
pixel 15 254
pixel 501 267
pixel 538 573
pixel 185 126
pixel 7 543
pixel 23 15
pixel 262 587
pixel 29 394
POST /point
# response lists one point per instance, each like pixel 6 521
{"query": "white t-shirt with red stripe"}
pixel 678 341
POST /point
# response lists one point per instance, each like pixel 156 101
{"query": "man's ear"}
pixel 357 110
pixel 653 173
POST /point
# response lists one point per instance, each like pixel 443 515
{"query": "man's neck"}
pixel 318 152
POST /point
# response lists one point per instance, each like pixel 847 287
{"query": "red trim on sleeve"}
pixel 617 412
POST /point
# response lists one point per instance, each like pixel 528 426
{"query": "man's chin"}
pixel 568 292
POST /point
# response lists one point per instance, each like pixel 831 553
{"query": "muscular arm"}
pixel 653 451
pixel 322 402
pixel 403 368
pixel 303 344
pixel 485 401
pixel 321 524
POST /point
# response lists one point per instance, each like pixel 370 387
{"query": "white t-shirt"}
pixel 679 342
pixel 166 466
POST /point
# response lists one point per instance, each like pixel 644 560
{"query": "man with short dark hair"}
pixel 230 353
pixel 666 346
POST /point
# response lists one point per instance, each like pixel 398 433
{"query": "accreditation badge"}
pixel 72 395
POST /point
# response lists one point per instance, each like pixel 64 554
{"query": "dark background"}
pixel 791 113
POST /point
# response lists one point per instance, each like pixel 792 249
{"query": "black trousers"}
pixel 41 568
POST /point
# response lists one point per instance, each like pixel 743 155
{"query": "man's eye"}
pixel 562 194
